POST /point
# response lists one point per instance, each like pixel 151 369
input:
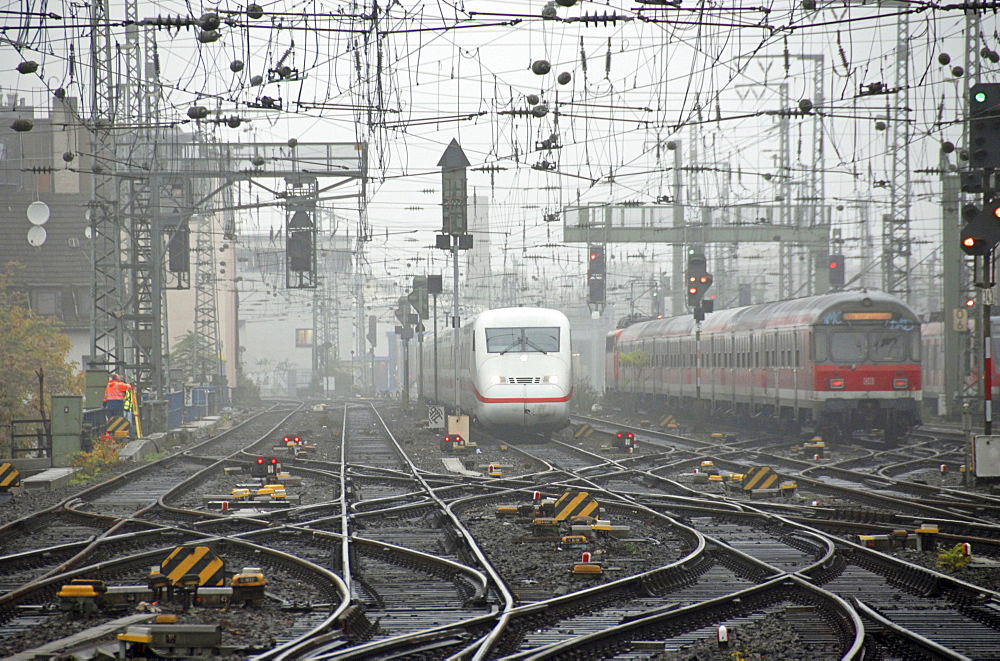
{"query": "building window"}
pixel 45 303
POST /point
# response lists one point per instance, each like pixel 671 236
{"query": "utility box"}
pixel 986 456
pixel 97 382
pixel 67 425
pixel 459 424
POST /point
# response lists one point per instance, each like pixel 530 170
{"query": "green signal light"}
pixel 979 97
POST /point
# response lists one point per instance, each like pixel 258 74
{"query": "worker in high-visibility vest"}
pixel 132 412
pixel 114 397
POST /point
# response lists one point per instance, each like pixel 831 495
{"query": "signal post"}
pixel 454 234
pixel 698 281
pixel 981 232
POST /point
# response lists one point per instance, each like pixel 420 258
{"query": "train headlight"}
pixel 554 379
pixel 836 384
pixel 523 357
pixel 496 380
pixel 900 384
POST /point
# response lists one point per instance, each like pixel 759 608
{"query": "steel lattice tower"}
pixel 105 233
pixel 206 319
pixel 896 224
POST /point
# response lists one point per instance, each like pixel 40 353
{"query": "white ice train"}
pixel 515 369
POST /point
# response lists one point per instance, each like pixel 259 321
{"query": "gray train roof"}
pixel 807 311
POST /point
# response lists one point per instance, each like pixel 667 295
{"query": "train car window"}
pixel 848 346
pixel 522 340
pixel 889 346
pixel 821 341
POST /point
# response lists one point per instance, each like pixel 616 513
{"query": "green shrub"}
pixel 954 559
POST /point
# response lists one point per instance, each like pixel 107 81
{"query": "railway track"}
pixel 391 554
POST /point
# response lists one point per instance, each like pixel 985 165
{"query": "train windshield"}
pixel 863 345
pixel 890 346
pixel 848 347
pixel 522 340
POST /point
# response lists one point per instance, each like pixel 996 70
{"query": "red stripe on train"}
pixel 520 400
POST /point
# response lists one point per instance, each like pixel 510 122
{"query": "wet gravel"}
pixel 540 567
pixel 771 636
pixel 250 629
pixel 29 502
pixel 984 572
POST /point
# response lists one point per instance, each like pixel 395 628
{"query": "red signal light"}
pixel 995 212
pixel 593 256
pixel 274 461
pixel 703 279
pixel 630 436
pixel 297 439
pixel 835 265
pixel 620 435
pixel 692 290
pixel 969 242
pixel 447 439
pixel 970 302
pixel 260 461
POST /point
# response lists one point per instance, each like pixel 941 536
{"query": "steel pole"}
pixel 697 372
pixel 406 374
pixel 987 348
pixel 437 399
pixel 456 322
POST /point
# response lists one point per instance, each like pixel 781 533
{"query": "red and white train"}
pixel 835 363
pixel 515 369
pixel 934 364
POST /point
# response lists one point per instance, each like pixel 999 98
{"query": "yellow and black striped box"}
pixel 583 431
pixel 200 560
pixel 759 477
pixel 9 476
pixel 575 503
pixel 118 425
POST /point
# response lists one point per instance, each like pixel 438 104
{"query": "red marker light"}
pixel 286 439
pixel 260 461
pixel 297 439
pixel 274 461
